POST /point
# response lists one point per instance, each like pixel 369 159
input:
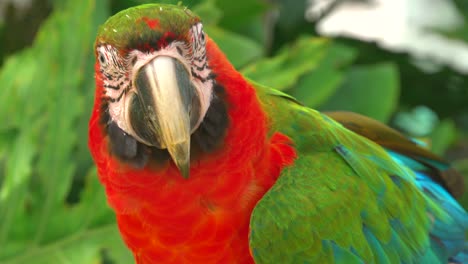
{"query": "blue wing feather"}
pixel 449 231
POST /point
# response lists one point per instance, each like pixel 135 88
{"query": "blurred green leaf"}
pixel 239 49
pixel 370 90
pixel 248 10
pixel 209 12
pixel 290 20
pixel 284 69
pixel 320 83
pixel 417 122
pixel 246 17
pixel 444 135
pixel 47 89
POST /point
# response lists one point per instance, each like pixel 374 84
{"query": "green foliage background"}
pixel 52 208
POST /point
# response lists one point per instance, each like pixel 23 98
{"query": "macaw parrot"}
pixel 202 165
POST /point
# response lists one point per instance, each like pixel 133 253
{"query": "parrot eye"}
pixel 109 57
pixel 102 59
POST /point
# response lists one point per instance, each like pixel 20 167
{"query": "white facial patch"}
pixel 116 81
pixel 118 73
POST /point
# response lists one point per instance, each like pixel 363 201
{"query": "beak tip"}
pixel 183 167
pixel 180 154
pixel 185 171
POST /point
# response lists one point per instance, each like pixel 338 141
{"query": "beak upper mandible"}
pixel 161 114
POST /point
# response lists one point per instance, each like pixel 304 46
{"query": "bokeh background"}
pixel 403 62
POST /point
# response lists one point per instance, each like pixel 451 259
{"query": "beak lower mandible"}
pixel 161 110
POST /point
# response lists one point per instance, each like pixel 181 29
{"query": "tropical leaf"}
pixel 320 83
pixel 371 90
pixel 47 97
pixel 283 70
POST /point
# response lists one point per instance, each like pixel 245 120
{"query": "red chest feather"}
pixel 165 218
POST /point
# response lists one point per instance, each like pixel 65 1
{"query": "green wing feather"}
pixel 435 167
pixel 343 201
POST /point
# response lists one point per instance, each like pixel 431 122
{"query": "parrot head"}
pixel 156 84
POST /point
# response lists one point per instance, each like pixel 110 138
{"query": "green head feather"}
pixel 147 27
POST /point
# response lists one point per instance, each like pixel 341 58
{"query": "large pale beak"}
pixel 165 108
